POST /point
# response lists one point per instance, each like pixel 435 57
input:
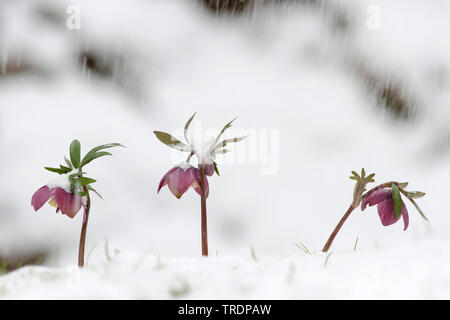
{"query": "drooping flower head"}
pixel 387 197
pixel 69 192
pixel 181 177
pixel 384 200
pixel 67 202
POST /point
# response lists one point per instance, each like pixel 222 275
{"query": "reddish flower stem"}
pixel 338 227
pixel 204 226
pixel 83 231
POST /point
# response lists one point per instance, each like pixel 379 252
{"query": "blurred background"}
pixel 322 88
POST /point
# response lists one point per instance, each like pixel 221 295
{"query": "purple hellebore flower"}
pixel 67 202
pixel 180 178
pixel 385 204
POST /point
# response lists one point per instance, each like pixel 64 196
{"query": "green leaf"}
pixel 93 156
pixel 57 170
pixel 370 178
pixel 397 199
pixel 416 194
pixel 80 193
pixel 61 170
pixel 406 194
pixel 186 126
pixel 65 169
pixel 75 151
pixel 223 130
pixel 356 243
pixel 222 151
pixel 76 174
pixel 84 181
pixel 68 163
pixel 227 141
pixel 253 253
pixel 402 185
pixel 171 141
pixel 103 146
pixel 77 181
pixel 418 208
pixel 95 191
pixel 216 169
pixel 302 247
pixel 356 175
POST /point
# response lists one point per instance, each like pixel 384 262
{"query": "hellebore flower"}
pixel 183 176
pixel 387 198
pixel 70 192
pixel 57 197
pixel 180 178
pixel 385 205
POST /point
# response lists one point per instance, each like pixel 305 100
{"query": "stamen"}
pixel 52 202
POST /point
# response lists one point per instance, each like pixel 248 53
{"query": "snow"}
pixel 202 140
pixel 341 275
pixel 184 165
pixel 60 181
pixel 296 78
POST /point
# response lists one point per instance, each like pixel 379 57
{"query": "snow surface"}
pixel 393 273
pixel 290 75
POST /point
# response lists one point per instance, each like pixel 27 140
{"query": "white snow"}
pixel 402 272
pixel 184 165
pixel 287 72
pixel 202 140
pixel 60 181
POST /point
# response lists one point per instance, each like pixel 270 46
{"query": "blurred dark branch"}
pixel 230 6
pixel 389 92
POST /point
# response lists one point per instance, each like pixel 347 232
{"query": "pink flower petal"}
pixel 196 184
pixel 40 197
pixel 68 203
pixel 179 181
pixel 405 217
pixel 386 212
pixel 164 181
pixel 375 198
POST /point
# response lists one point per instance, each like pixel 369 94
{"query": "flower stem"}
pixel 338 227
pixel 83 231
pixel 203 208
